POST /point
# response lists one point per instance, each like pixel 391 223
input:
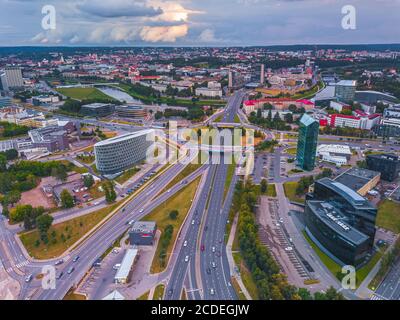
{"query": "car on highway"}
pixel 131 222
pixel 202 248
pixel 185 244
pixel 170 292
pixel 213 249
pixel 141 210
pixel 208 271
pixel 288 249
pixel 117 266
pixel 193 222
pixel 187 259
pixel 75 259
pixel 58 277
pixel 29 278
pixel 70 270
pixel 213 264
pixel 59 262
pixel 212 292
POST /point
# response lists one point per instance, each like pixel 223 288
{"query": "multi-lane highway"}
pixel 18 266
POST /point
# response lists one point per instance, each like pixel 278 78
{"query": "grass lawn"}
pixel 75 168
pixel 66 234
pixel 83 93
pixel 187 171
pixel 237 119
pixel 159 292
pixel 295 171
pixel 246 276
pixel 290 192
pixel 74 296
pixel 291 151
pixel 271 192
pixel 94 168
pixel 333 267
pixel 336 269
pixel 94 191
pixel 144 296
pixel 237 289
pixel 183 294
pixel 229 177
pixel 127 175
pixel 182 202
pixel 389 216
pixel 86 159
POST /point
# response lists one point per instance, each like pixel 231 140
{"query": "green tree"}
pixel 264 186
pixel 173 215
pixel 109 191
pixel 12 197
pixel 3 163
pixel 43 223
pixel 88 181
pixel 67 201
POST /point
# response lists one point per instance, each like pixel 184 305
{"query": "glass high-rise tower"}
pixel 307 143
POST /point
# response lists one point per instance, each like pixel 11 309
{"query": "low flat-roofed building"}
pixel 134 112
pixel 143 233
pixel 97 109
pixel 360 180
pixel 387 164
pixel 123 274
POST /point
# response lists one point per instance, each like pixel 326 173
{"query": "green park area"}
pixel 63 235
pixel 124 177
pixel 83 93
pixel 246 276
pixel 169 224
pixel 290 192
pixel 159 292
pixel 389 216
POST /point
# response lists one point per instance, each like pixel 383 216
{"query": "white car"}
pixel 212 292
pixel 213 249
pixel 193 222
pixel 289 249
pixel 141 211
pixel 185 244
pixel 117 266
pixel 187 259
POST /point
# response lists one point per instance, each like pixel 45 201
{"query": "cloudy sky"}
pixel 198 22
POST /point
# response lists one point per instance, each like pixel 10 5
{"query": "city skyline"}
pixel 199 23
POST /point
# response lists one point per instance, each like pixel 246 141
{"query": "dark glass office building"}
pixel 351 210
pixel 307 142
pixel 387 164
pixel 326 226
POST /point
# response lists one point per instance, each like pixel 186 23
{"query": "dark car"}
pixel 59 275
pixel 170 292
pixel 75 259
pixel 208 271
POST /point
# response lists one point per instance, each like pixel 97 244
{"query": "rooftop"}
pixel 347 83
pixel 336 220
pixel 124 137
pixel 126 264
pixel 144 227
pixel 356 178
pixel 308 120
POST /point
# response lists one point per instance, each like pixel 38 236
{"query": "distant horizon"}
pixel 204 46
pixel 187 23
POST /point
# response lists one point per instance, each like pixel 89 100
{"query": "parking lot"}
pixel 273 235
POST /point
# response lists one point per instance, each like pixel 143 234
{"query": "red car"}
pixel 202 248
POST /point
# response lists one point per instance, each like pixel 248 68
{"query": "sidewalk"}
pixel 232 261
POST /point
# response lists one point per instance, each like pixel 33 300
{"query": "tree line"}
pixel 270 282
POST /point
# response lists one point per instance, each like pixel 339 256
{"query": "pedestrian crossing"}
pixel 18 265
pixel 375 297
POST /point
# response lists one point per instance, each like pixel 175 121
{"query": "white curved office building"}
pixel 121 153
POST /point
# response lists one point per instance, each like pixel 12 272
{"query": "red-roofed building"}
pixel 250 106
